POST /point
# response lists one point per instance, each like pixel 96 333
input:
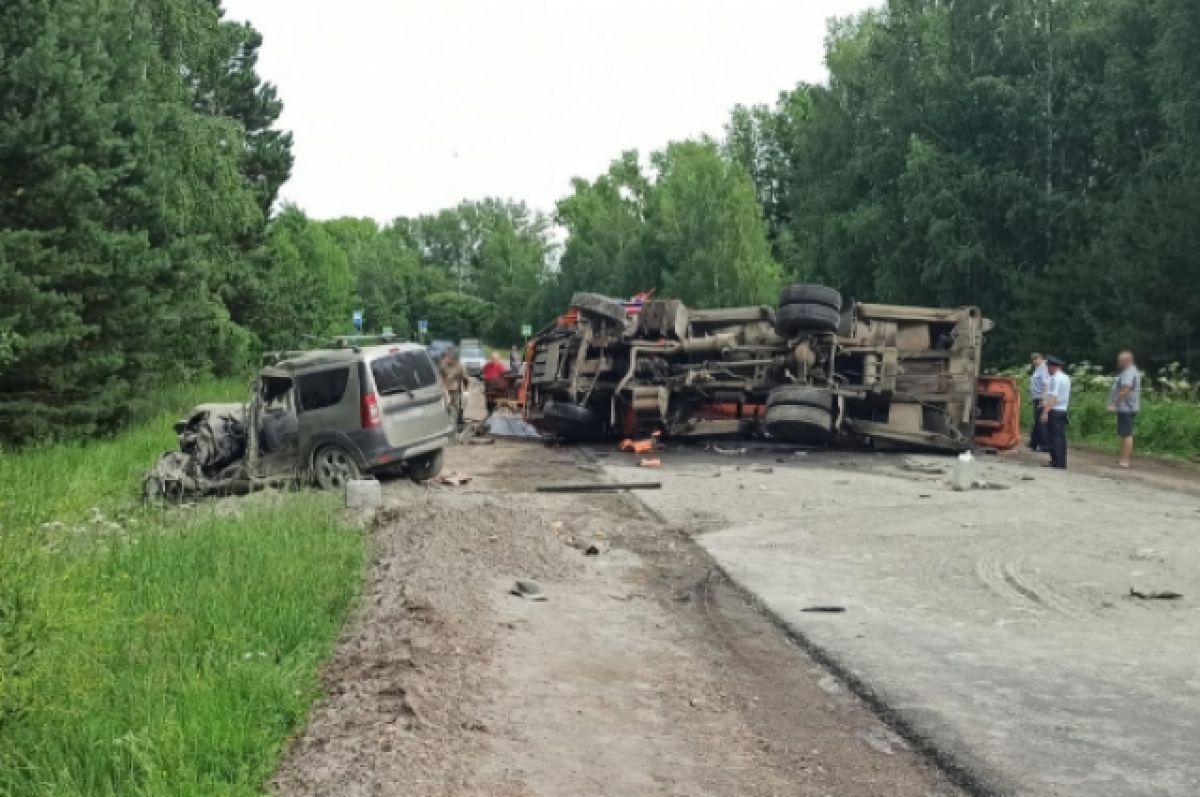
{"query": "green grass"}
pixel 151 653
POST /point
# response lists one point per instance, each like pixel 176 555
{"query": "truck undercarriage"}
pixel 804 372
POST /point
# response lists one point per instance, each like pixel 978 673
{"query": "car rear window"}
pixel 322 389
pixel 473 354
pixel 408 370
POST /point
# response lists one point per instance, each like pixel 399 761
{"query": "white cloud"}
pixel 402 107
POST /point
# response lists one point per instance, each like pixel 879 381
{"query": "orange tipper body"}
pixel 811 370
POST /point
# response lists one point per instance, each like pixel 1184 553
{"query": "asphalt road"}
pixel 995 626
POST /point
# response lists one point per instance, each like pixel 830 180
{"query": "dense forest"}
pixel 1034 157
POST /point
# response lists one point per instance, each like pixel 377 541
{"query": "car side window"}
pixel 322 389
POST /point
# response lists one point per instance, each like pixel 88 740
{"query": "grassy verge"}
pixel 144 653
pixel 1165 427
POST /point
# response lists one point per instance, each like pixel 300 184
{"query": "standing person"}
pixel 1037 386
pixel 514 359
pixel 1055 401
pixel 494 368
pixel 493 380
pixel 456 382
pixel 1125 399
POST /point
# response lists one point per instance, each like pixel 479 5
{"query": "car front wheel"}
pixel 333 467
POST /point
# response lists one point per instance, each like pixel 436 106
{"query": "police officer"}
pixel 456 382
pixel 1055 401
pixel 1037 386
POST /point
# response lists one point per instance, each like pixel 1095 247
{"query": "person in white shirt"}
pixel 1055 402
pixel 1037 387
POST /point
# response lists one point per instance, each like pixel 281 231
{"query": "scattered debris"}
pixel 757 468
pixel 882 741
pixel 653 462
pixel 1026 478
pixel 527 589
pixel 921 467
pixel 824 609
pixel 925 495
pixel 641 446
pixel 830 685
pixel 980 484
pixel 595 548
pixel 453 479
pixel 716 449
pixel 1165 595
pixel 482 441
pixel 593 487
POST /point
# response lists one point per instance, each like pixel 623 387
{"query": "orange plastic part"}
pixel 640 447
pixel 999 426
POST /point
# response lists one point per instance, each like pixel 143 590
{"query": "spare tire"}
pixel 801 396
pixel 811 294
pixel 601 307
pixel 794 423
pixel 794 318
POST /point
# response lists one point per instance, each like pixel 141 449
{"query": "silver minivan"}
pixel 329 415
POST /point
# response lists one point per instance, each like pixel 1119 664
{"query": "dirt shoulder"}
pixel 1166 474
pixel 642 673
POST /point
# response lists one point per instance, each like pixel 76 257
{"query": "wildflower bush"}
pixel 1169 422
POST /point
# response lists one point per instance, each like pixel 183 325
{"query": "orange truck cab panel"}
pixel 998 413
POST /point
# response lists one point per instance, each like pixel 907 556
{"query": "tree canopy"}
pixel 1033 157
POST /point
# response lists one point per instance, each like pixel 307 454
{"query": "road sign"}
pixel 423 326
pixel 358 320
pixel 526 330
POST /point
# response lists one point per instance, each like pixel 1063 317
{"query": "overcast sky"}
pixel 402 107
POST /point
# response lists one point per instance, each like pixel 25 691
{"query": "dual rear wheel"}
pixel 808 308
pixel 800 414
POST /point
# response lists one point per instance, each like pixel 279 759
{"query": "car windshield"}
pixel 402 372
pixel 472 354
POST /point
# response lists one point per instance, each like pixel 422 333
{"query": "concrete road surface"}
pixel 996 625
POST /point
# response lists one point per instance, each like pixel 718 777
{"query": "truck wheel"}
pixel 795 423
pixel 801 396
pixel 571 421
pixel 426 466
pixel 333 467
pixel 601 307
pixel 795 318
pixel 811 294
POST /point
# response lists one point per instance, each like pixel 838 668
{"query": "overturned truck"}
pixel 807 371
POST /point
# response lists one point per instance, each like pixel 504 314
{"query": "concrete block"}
pixel 363 494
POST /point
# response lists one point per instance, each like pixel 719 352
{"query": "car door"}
pixel 327 403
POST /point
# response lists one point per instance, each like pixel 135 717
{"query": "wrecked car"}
pixel 324 416
pixel 811 370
